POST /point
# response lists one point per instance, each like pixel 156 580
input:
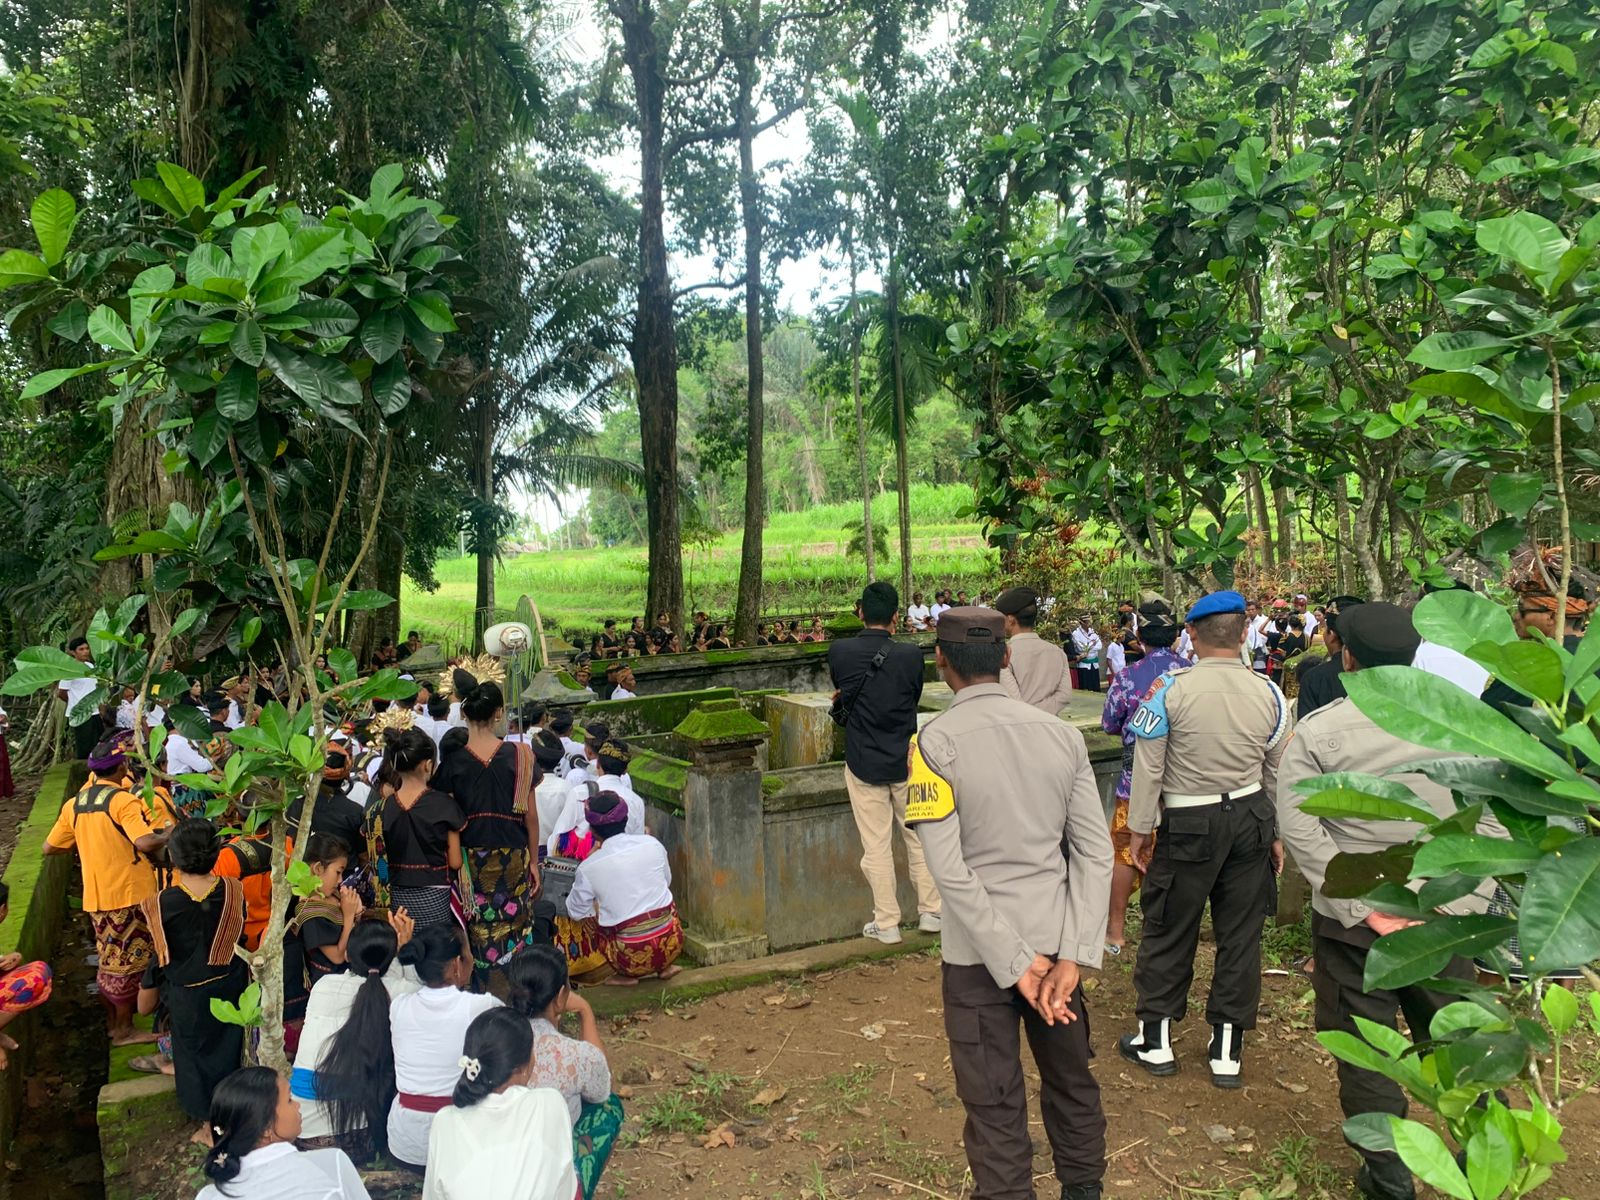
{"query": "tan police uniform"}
pixel 1207 744
pixel 1039 674
pixel 1004 801
pixel 1338 737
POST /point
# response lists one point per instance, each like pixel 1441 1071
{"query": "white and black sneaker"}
pixel 889 937
pixel 1225 1057
pixel 1151 1047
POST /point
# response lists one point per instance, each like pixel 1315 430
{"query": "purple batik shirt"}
pixel 1122 701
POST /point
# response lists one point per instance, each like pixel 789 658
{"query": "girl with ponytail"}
pixel 500 1140
pixel 253 1124
pixel 414 834
pixel 427 1029
pixel 344 1066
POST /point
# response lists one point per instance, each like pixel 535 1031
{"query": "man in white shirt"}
pixel 1086 651
pixel 918 615
pixel 941 602
pixel 184 757
pixel 237 689
pixel 1300 606
pixel 626 884
pixel 1452 665
pixel 611 761
pixel 622 675
pixel 86 735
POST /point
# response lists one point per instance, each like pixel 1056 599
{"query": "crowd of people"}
pixel 468 867
pixel 704 634
pixel 1011 855
pixel 471 864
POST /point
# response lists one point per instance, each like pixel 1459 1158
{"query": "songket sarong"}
pixel 25 987
pixel 580 941
pixel 495 885
pixel 645 945
pixel 425 905
pixel 592 1140
pixel 122 941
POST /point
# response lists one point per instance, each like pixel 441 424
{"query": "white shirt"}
pixel 1087 643
pixel 933 613
pixel 280 1172
pixel 235 717
pixel 435 729
pixel 917 615
pixel 183 758
pixel 1311 623
pixel 549 798
pixel 1116 658
pixel 622 693
pixel 327 1010
pixel 428 1029
pixel 1185 647
pixel 628 876
pixel 577 797
pixel 1452 665
pixel 77 689
pixel 516 1145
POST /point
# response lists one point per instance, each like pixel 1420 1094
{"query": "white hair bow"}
pixel 470 1067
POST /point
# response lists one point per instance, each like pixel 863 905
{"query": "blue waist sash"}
pixel 303 1084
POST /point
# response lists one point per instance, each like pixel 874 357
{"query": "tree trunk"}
pixel 361 628
pixel 1341 517
pixel 1258 491
pixel 654 348
pixel 861 421
pixel 483 605
pixel 138 493
pixel 748 609
pixel 1282 507
pixel 900 451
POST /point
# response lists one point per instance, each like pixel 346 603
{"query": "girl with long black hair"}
pixel 344 1066
pixel 426 1029
pixel 500 1139
pixel 414 831
pixel 575 1067
pixel 254 1121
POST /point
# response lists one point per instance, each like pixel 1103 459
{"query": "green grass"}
pixel 672 1112
pixel 805 567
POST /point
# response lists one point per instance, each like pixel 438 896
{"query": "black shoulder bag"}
pixel 840 712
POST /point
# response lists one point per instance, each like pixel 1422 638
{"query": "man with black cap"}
pixel 1321 685
pixel 1038 673
pixel 1338 737
pixel 878 682
pixel 1005 803
pixel 1208 740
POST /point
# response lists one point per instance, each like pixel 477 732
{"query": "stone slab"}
pixel 803 732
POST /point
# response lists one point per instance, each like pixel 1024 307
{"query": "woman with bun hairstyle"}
pixel 344 1066
pixel 195 925
pixel 427 1028
pixel 500 1139
pixel 575 1067
pixel 254 1121
pixel 492 782
pixel 414 831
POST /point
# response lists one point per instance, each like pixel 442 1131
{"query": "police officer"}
pixel 1338 737
pixel 1321 684
pixel 1207 743
pixel 1004 801
pixel 1038 673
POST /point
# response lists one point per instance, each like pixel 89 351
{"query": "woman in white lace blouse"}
pixel 575 1067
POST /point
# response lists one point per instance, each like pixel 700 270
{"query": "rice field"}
pixel 806 569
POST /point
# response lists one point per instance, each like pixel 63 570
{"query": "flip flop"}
pixel 1113 951
pixel 150 1064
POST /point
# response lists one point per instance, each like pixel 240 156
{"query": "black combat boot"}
pixel 1151 1047
pixel 1385 1178
pixel 1226 1060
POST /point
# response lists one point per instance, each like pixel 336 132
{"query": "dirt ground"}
pixel 14 811
pixel 839 1085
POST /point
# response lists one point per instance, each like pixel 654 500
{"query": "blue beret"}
pixel 1216 602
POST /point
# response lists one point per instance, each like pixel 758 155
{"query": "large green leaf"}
pixel 383 334
pixel 1559 921
pixel 18 266
pixel 1456 350
pixel 1430 33
pixel 1430 1160
pixel 248 342
pixel 343 664
pixel 1299 168
pixel 1351 876
pixel 1250 164
pixel 188 191
pixel 1532 668
pixel 1472 854
pixel 207 436
pixel 1586 659
pixel 1410 955
pixel 1516 491
pixel 110 330
pixel 1460 620
pixel 1210 196
pixel 1347 804
pixel 237 393
pixel 1422 708
pixel 391 386
pixel 326 318
pixel 1491 1162
pixel 1533 242
pixel 54 214
pixel 48 381
pixel 433 310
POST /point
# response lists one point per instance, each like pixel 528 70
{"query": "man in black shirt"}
pixel 880 681
pixel 1322 684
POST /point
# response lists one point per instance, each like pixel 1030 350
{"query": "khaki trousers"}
pixel 878 808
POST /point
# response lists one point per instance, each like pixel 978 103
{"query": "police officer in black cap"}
pixel 1321 685
pixel 1338 737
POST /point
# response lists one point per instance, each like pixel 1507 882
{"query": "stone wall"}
pixel 38 910
pixel 802 668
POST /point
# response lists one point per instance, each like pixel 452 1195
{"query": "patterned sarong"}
pixel 592 1140
pixel 28 986
pixel 425 905
pixel 580 941
pixel 1120 840
pixel 122 940
pixel 494 886
pixel 646 945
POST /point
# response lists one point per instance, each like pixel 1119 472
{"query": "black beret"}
pixel 971 624
pixel 1379 634
pixel 1014 600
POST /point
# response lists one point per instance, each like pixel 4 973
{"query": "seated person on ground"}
pixel 626 886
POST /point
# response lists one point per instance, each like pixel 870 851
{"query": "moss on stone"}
pixel 721 720
pixel 659 778
pixel 771 785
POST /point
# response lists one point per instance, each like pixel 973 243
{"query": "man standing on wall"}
pixel 877 683
pixel 1006 804
pixel 86 735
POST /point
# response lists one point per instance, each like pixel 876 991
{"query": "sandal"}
pixel 1113 950
pixel 150 1064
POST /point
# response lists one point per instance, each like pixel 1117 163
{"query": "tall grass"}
pixel 806 569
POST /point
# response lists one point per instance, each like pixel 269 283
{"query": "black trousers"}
pixel 1341 960
pixel 981 1019
pixel 1220 853
pixel 1089 678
